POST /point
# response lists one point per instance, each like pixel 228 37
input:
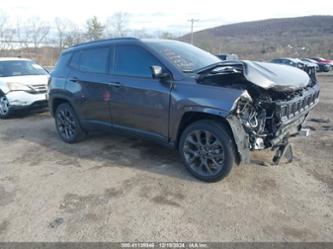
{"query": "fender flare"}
pixel 240 137
pixel 59 96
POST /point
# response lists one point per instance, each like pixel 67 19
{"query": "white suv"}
pixel 23 84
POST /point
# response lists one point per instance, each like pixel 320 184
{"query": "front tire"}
pixel 207 150
pixel 5 111
pixel 68 125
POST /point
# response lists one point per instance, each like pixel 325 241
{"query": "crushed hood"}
pixel 275 76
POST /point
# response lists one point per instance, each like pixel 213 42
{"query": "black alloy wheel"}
pixel 207 150
pixel 67 124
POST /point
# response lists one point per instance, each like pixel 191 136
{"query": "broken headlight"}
pixel 252 116
pixel 13 86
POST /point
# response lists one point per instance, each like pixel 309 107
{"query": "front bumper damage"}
pixel 22 100
pixel 273 105
pixel 241 138
pixel 285 120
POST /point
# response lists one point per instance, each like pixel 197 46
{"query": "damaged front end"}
pixel 275 102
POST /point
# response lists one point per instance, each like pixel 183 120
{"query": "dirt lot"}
pixel 111 188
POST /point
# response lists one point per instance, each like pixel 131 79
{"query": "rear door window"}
pixel 94 60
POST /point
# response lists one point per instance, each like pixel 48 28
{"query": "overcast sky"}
pixel 170 15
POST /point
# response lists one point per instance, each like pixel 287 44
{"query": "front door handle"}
pixel 116 84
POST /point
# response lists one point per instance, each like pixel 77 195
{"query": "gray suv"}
pixel 214 113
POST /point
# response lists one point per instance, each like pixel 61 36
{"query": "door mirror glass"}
pixel 158 73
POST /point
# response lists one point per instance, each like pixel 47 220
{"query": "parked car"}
pixel 323 67
pixel 304 65
pixel 309 68
pixel 228 57
pixel 213 112
pixel 23 84
pixel 323 60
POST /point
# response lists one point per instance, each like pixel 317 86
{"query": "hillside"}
pixel 295 37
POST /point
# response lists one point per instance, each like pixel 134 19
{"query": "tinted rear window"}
pixel 60 69
pixel 94 60
pixel 75 60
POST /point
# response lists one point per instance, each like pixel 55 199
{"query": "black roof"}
pixel 100 42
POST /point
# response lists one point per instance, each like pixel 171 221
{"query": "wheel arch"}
pixel 58 100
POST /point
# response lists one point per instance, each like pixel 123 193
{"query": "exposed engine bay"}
pixel 275 101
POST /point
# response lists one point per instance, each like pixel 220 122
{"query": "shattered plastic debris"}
pixel 320 120
pixel 57 222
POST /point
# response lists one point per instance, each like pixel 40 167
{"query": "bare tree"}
pixel 39 31
pixel 73 37
pixel 6 33
pixel 21 35
pixel 33 32
pixel 117 25
pixel 3 23
pixel 139 33
pixel 166 35
pixel 68 34
pixel 61 26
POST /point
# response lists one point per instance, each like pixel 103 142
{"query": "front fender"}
pixel 217 101
pixel 207 110
pixel 241 138
pixel 4 88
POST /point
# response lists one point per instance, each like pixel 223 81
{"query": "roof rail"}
pixel 104 40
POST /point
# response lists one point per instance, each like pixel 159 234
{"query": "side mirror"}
pixel 158 73
pixel 300 65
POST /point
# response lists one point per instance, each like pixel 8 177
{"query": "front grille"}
pixel 39 88
pixel 298 105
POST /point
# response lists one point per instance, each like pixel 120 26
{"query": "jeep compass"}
pixel 213 112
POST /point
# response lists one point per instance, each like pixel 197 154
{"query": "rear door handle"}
pixel 116 84
pixel 74 79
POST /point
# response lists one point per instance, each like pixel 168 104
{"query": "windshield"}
pixel 184 56
pixel 296 60
pixel 310 60
pixel 20 68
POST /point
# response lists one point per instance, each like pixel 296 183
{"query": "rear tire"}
pixel 207 150
pixel 68 125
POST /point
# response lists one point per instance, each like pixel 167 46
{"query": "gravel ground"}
pixel 111 188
